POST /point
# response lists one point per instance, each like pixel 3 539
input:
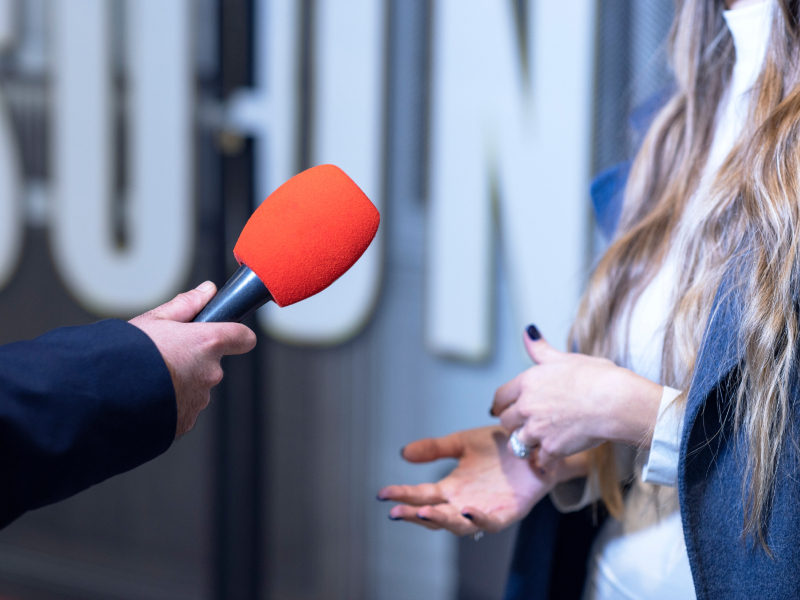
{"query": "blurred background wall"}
pixel 272 495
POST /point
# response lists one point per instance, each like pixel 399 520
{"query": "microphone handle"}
pixel 239 298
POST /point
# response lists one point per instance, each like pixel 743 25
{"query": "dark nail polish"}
pixel 401 452
pixel 380 499
pixel 468 516
pixel 391 518
pixel 491 412
pixel 533 333
pixel 423 518
pixel 542 472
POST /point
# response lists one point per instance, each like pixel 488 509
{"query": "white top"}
pixel 643 555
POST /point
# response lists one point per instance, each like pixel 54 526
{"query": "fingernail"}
pixel 381 499
pixel 468 516
pixel 391 518
pixel 491 411
pixel 533 332
pixel 206 286
pixel 401 452
pixel 423 518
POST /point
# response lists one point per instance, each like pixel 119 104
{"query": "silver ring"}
pixel 477 535
pixel 520 449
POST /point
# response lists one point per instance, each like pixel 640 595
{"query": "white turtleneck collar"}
pixel 750 27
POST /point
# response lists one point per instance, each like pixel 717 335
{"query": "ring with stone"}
pixel 518 447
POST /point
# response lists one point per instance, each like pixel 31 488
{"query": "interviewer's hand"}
pixel 571 402
pixel 488 490
pixel 192 351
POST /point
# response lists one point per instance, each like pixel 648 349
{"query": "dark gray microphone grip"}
pixel 238 299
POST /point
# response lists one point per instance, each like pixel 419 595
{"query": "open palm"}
pixel 488 490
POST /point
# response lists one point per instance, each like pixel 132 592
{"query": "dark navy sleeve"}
pixel 77 406
pixel 552 553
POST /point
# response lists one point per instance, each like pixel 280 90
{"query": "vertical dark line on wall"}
pixel 306 85
pixel 521 13
pixel 259 468
pixel 612 87
pixel 238 557
pixel 119 225
pixel 386 121
pixel 407 88
pixel 239 456
pixel 226 64
pixel 236 45
pixel 426 73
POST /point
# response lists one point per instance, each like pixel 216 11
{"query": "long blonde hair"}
pixel 752 210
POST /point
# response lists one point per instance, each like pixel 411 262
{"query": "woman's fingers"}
pixel 512 419
pixel 537 347
pixel 481 520
pixel 416 495
pixel 467 521
pixel 541 353
pixel 447 517
pixel 444 516
pixel 402 512
pixel 430 449
pixel 545 461
pixel 506 395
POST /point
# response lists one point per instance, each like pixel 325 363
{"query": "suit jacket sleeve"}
pixel 77 406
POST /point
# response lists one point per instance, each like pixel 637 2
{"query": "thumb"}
pixel 186 306
pixel 430 449
pixel 537 347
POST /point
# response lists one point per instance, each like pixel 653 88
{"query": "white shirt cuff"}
pixel 661 467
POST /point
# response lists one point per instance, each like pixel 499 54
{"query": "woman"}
pixel 686 344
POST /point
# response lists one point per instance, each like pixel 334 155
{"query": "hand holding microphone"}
pixel 301 239
pixel 192 352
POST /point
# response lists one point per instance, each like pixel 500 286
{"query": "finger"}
pixel 409 513
pixel 538 469
pixel 230 338
pixel 212 375
pixel 416 495
pixel 429 449
pixel 537 347
pixel 481 520
pixel 533 448
pixel 186 306
pixel 545 461
pixel 529 436
pixel 447 517
pixel 506 395
pixel 512 418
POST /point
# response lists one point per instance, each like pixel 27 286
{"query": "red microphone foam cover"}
pixel 308 232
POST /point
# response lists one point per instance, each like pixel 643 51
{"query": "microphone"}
pixel 301 239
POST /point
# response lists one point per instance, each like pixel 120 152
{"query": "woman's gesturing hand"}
pixel 488 490
pixel 571 402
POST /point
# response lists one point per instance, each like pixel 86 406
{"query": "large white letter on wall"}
pixel 347 128
pixel 347 110
pixel 159 201
pixel 11 224
pixel 518 126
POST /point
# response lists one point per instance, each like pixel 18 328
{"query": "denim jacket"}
pixel 551 552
